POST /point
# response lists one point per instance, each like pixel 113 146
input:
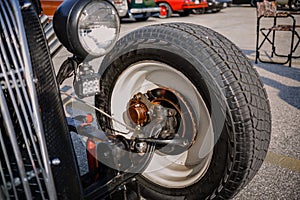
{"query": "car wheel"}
pixel 253 3
pixel 218 91
pixel 294 5
pixel 216 10
pixel 165 10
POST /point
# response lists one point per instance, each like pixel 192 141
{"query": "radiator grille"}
pixel 24 170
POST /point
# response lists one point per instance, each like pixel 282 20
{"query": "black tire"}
pixel 168 9
pixel 142 19
pixel 216 11
pixel 52 116
pixel 199 11
pixel 253 3
pixel 229 87
pixel 294 5
pixel 185 13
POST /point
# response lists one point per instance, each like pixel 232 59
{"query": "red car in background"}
pixel 182 7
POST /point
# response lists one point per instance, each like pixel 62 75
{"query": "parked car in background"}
pixel 182 7
pixel 217 5
pixel 214 6
pixel 291 4
pixel 251 2
pixel 140 10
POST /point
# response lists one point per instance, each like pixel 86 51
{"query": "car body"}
pixel 182 7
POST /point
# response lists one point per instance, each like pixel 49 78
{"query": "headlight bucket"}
pixel 79 24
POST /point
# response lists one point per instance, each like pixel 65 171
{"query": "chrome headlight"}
pixel 87 27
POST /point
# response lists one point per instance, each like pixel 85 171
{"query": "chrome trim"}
pixel 44 19
pixel 53 42
pixel 144 10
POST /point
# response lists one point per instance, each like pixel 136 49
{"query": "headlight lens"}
pixel 98 29
pixel 87 28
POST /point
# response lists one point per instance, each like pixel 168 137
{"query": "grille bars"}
pixel 13 65
pixel 49 182
pixel 21 94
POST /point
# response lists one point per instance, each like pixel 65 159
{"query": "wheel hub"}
pixel 138 112
pixel 163 11
pixel 165 106
pixel 141 109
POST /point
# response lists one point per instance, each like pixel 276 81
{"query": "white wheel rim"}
pixel 171 171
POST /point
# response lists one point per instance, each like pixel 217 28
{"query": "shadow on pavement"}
pixel 286 93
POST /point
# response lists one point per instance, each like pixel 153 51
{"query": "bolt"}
pixel 35 80
pixel 141 147
pixel 17 181
pixel 185 143
pixel 139 95
pixel 106 154
pixel 25 6
pixel 55 161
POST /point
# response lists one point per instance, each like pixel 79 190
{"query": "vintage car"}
pixel 140 10
pixel 182 7
pixel 175 110
pixel 214 6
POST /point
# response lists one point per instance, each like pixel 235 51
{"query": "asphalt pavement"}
pixel 279 176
